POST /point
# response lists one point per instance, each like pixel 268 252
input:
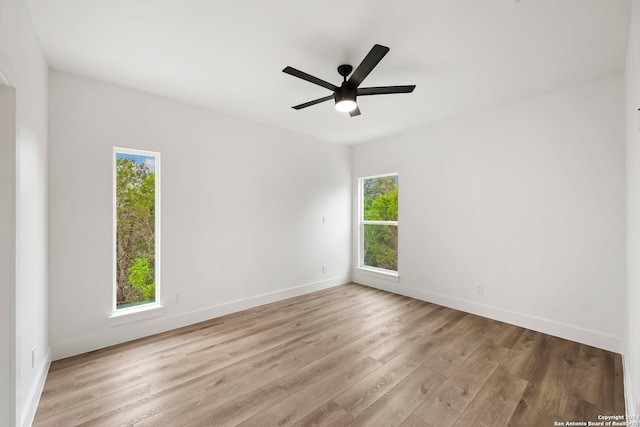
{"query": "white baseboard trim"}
pixel 33 399
pixel 550 327
pixel 632 400
pixel 119 334
pixel 628 392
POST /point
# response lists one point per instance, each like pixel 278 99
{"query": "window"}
pixel 136 229
pixel 379 222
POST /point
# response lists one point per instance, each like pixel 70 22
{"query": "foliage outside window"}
pixel 136 225
pixel 379 222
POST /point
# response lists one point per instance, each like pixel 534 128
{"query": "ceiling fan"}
pixel 346 94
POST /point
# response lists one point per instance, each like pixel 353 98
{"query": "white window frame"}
pixel 362 222
pixel 156 308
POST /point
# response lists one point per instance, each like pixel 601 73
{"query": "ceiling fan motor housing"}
pixel 345 93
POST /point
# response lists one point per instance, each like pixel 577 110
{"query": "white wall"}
pixel 527 199
pixel 632 353
pixel 23 67
pixel 7 252
pixel 242 207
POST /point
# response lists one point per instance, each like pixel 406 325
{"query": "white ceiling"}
pixel 228 55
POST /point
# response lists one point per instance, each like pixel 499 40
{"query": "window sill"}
pixel 391 276
pixel 134 315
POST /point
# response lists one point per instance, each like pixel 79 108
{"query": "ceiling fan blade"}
pixel 308 77
pixel 374 56
pixel 381 90
pixel 355 112
pixel 314 102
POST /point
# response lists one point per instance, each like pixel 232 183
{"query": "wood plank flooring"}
pixel 346 356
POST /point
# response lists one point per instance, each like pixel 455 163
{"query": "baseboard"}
pixel 628 390
pixel 632 400
pixel 212 312
pixel 123 333
pixel 562 330
pixel 33 399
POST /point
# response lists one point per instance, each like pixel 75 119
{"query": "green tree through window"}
pixel 135 200
pixel 380 222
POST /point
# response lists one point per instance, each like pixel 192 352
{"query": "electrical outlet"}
pixel 324 219
pixel 175 298
pixel 638 404
pixel 324 268
pixel 33 357
pixel 479 289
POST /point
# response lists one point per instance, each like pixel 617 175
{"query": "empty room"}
pixel 291 213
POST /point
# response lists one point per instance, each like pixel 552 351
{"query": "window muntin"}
pixel 379 222
pixel 136 229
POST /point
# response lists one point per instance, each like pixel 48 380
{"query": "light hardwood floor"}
pixel 349 355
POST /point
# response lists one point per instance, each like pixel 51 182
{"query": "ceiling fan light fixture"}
pixel 346 105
